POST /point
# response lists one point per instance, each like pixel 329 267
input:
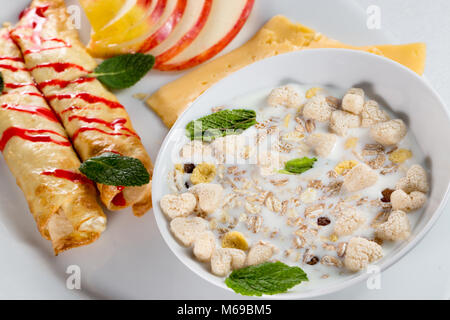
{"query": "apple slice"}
pixel 147 25
pixel 172 14
pixel 173 10
pixel 223 24
pixel 100 12
pixel 133 15
pixel 166 28
pixel 187 30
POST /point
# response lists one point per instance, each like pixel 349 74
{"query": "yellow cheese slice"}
pixel 277 36
pixel 410 55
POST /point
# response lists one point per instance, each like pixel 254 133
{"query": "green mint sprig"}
pixel 266 278
pixel 115 170
pixel 298 166
pixel 221 123
pixel 123 71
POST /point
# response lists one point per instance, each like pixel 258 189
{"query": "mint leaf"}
pixel 2 84
pixel 299 165
pixel 266 278
pixel 115 170
pixel 283 171
pixel 222 123
pixel 123 71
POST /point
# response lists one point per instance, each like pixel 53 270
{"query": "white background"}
pixel 424 273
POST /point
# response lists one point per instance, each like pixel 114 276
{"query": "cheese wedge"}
pixel 410 55
pixel 277 36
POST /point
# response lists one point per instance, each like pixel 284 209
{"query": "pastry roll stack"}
pixel 91 115
pixel 41 158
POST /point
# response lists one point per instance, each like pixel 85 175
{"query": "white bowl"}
pixel 406 93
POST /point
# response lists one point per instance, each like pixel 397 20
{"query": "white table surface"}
pixel 424 273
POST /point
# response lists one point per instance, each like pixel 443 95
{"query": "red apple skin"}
pixel 157 12
pixel 187 39
pixel 215 49
pixel 164 31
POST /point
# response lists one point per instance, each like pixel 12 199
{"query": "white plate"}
pixel 131 260
pixel 397 87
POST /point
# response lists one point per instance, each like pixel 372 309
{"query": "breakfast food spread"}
pixel 41 158
pixel 278 36
pixel 92 116
pixel 308 176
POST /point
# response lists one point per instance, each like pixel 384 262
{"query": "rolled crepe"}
pixel 41 158
pixel 92 116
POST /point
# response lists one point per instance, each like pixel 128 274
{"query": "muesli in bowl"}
pixel 302 184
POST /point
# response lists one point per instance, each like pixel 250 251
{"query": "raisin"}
pixel 386 195
pixel 189 167
pixel 378 240
pixel 187 185
pixel 313 261
pixel 323 221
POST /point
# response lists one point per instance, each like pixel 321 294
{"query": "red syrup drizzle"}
pixel 11 68
pixel 63 83
pixel 119 199
pixel 36 17
pixel 38 50
pixel 37 110
pixel 87 97
pixel 19 59
pixel 38 11
pixel 21 85
pixel 14 69
pixel 70 109
pixel 116 125
pixel 33 135
pixel 68 175
pixel 6 36
pixel 18 85
pixel 58 66
pixel 84 129
pixel 36 94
